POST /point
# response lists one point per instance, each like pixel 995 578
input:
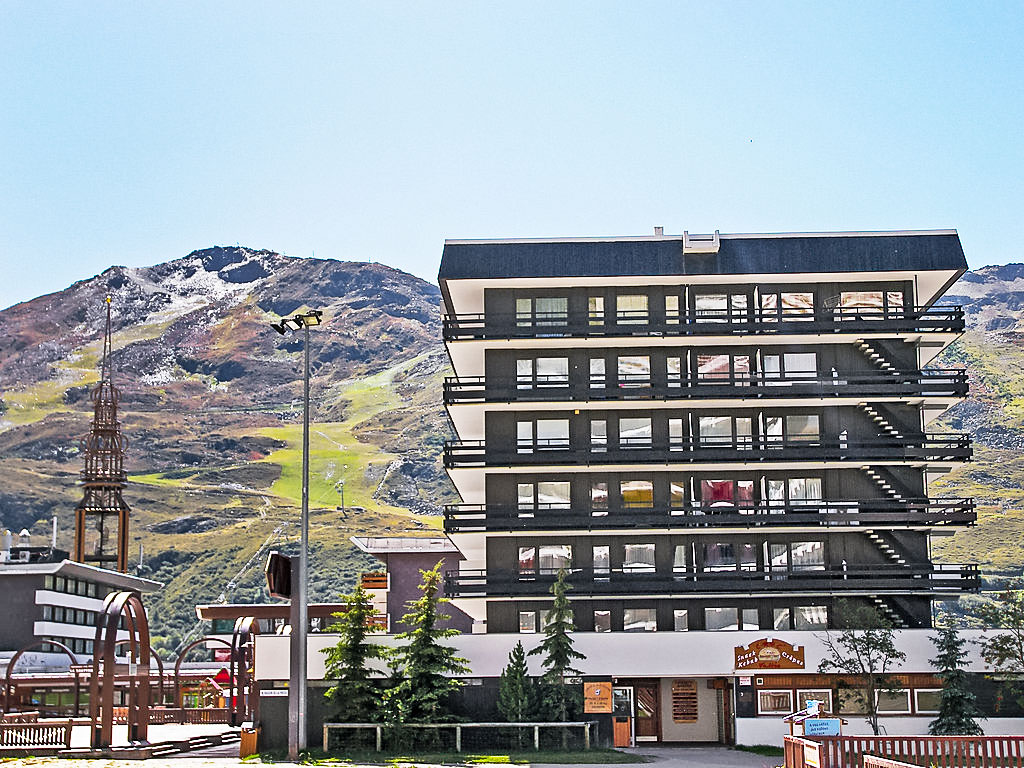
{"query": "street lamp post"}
pixel 299 612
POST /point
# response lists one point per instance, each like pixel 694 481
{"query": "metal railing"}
pixel 758 580
pixel 926 383
pixel 776 322
pixel 458 737
pixel 878 513
pixel 683 450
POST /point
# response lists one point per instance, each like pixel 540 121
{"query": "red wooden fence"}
pixel 937 751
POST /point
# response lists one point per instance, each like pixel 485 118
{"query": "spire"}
pixel 101 518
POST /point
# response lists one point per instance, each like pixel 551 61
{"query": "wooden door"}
pixel 648 710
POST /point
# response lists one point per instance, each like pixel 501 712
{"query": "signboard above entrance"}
pixel 769 654
pixel 597 697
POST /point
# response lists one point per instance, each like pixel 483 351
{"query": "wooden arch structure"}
pixel 119 607
pixel 181 658
pixel 244 705
pixel 8 681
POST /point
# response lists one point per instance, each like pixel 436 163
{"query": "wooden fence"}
pixel 936 751
pixel 870 761
pixel 162 715
pixel 45 733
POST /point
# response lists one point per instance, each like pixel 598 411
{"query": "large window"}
pixel 810 617
pixel 795 490
pixel 542 435
pixel 870 305
pixel 527 622
pixel 545 559
pixel 893 702
pixel 928 700
pixel 792 428
pixel 790 366
pixel 636 493
pixel 638 558
pixel 542 372
pixel 723 368
pixel 543 495
pixel 726 493
pixel 774 702
pixel 726 431
pixel 721 619
pixel 635 433
pixel 807 555
pixel 787 306
pixel 631 309
pixel 542 311
pixel 639 620
pixel 824 695
pixel 634 371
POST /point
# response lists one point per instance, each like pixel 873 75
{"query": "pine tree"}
pixel 958 710
pixel 515 690
pixel 557 698
pixel 355 697
pixel 426 666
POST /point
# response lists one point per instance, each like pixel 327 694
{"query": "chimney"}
pixel 53 538
pixel 658 231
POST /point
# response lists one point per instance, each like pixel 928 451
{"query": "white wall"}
pixel 770 730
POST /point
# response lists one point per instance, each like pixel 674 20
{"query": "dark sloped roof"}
pixel 740 255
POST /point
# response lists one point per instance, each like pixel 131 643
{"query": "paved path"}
pixel 708 757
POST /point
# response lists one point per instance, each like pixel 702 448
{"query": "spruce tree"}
pixel 557 698
pixel 515 690
pixel 425 665
pixel 355 697
pixel 958 710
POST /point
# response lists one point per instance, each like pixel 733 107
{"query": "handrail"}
pixel 824 513
pixel 928 382
pixel 478 326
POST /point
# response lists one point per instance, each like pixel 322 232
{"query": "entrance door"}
pixel 648 711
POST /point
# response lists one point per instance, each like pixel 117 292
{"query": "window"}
pixel 774 702
pixel 524 437
pixel 711 308
pixel 787 306
pixel 552 371
pixel 718 619
pixel 597 374
pixel 544 311
pixel 634 371
pixel 811 617
pixel 602 559
pixel 554 557
pixel 679 559
pixel 672 310
pixel 636 493
pixel 638 558
pixel 527 559
pixel 680 622
pixel 524 374
pixel 543 495
pixel 824 695
pixel 715 430
pixel 595 310
pixel 639 620
pixel 807 555
pixel 527 622
pixel 723 369
pixel 801 428
pixel 802 365
pixel 526 496
pixel 928 700
pixel 726 493
pixel 780 618
pixel 631 309
pixel 805 490
pixel 852 701
pixel 598 435
pixel 749 618
pixel 676 441
pixel 551 435
pixel 720 556
pixel 673 371
pixel 599 497
pixel 748 557
pixel 635 433
pixel 677 493
pixel 893 701
pixel 602 621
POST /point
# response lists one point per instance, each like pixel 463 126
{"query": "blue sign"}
pixel 821 726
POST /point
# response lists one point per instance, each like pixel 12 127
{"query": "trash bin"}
pixel 248 744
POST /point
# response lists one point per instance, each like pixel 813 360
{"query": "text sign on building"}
pixel 821 726
pixel 597 698
pixel 769 654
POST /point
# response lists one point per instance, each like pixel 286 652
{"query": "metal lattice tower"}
pixel 101 518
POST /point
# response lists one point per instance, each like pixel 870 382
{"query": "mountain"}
pixel 211 407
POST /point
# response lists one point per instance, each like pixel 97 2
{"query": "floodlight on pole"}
pixel 300 573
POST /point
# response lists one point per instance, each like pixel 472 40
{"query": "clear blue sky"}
pixel 133 133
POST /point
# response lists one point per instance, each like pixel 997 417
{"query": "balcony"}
pixel 463 454
pixel 834 513
pixel 926 383
pixel 756 322
pixel 618 582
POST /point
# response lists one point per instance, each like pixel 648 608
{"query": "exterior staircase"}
pixel 888 611
pixel 888 551
pixel 884 426
pixel 875 357
pixel 882 482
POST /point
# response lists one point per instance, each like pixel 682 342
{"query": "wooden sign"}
pixel 769 654
pixel 597 698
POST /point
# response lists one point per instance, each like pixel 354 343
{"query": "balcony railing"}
pixel 375 580
pixel 773 322
pixel 460 454
pixel 876 513
pixel 927 383
pixel 589 582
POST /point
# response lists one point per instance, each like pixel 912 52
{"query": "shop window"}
pixel 631 309
pixel 684 700
pixel 810 617
pixel 774 702
pixel 597 373
pixel 636 493
pixel 680 620
pixel 639 620
pixel 602 621
pixel 928 700
pixel 823 695
pixel 720 619
pixel 638 558
pixel 635 433
pixel 892 702
pixel 634 371
pixel 595 310
pixel 527 622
